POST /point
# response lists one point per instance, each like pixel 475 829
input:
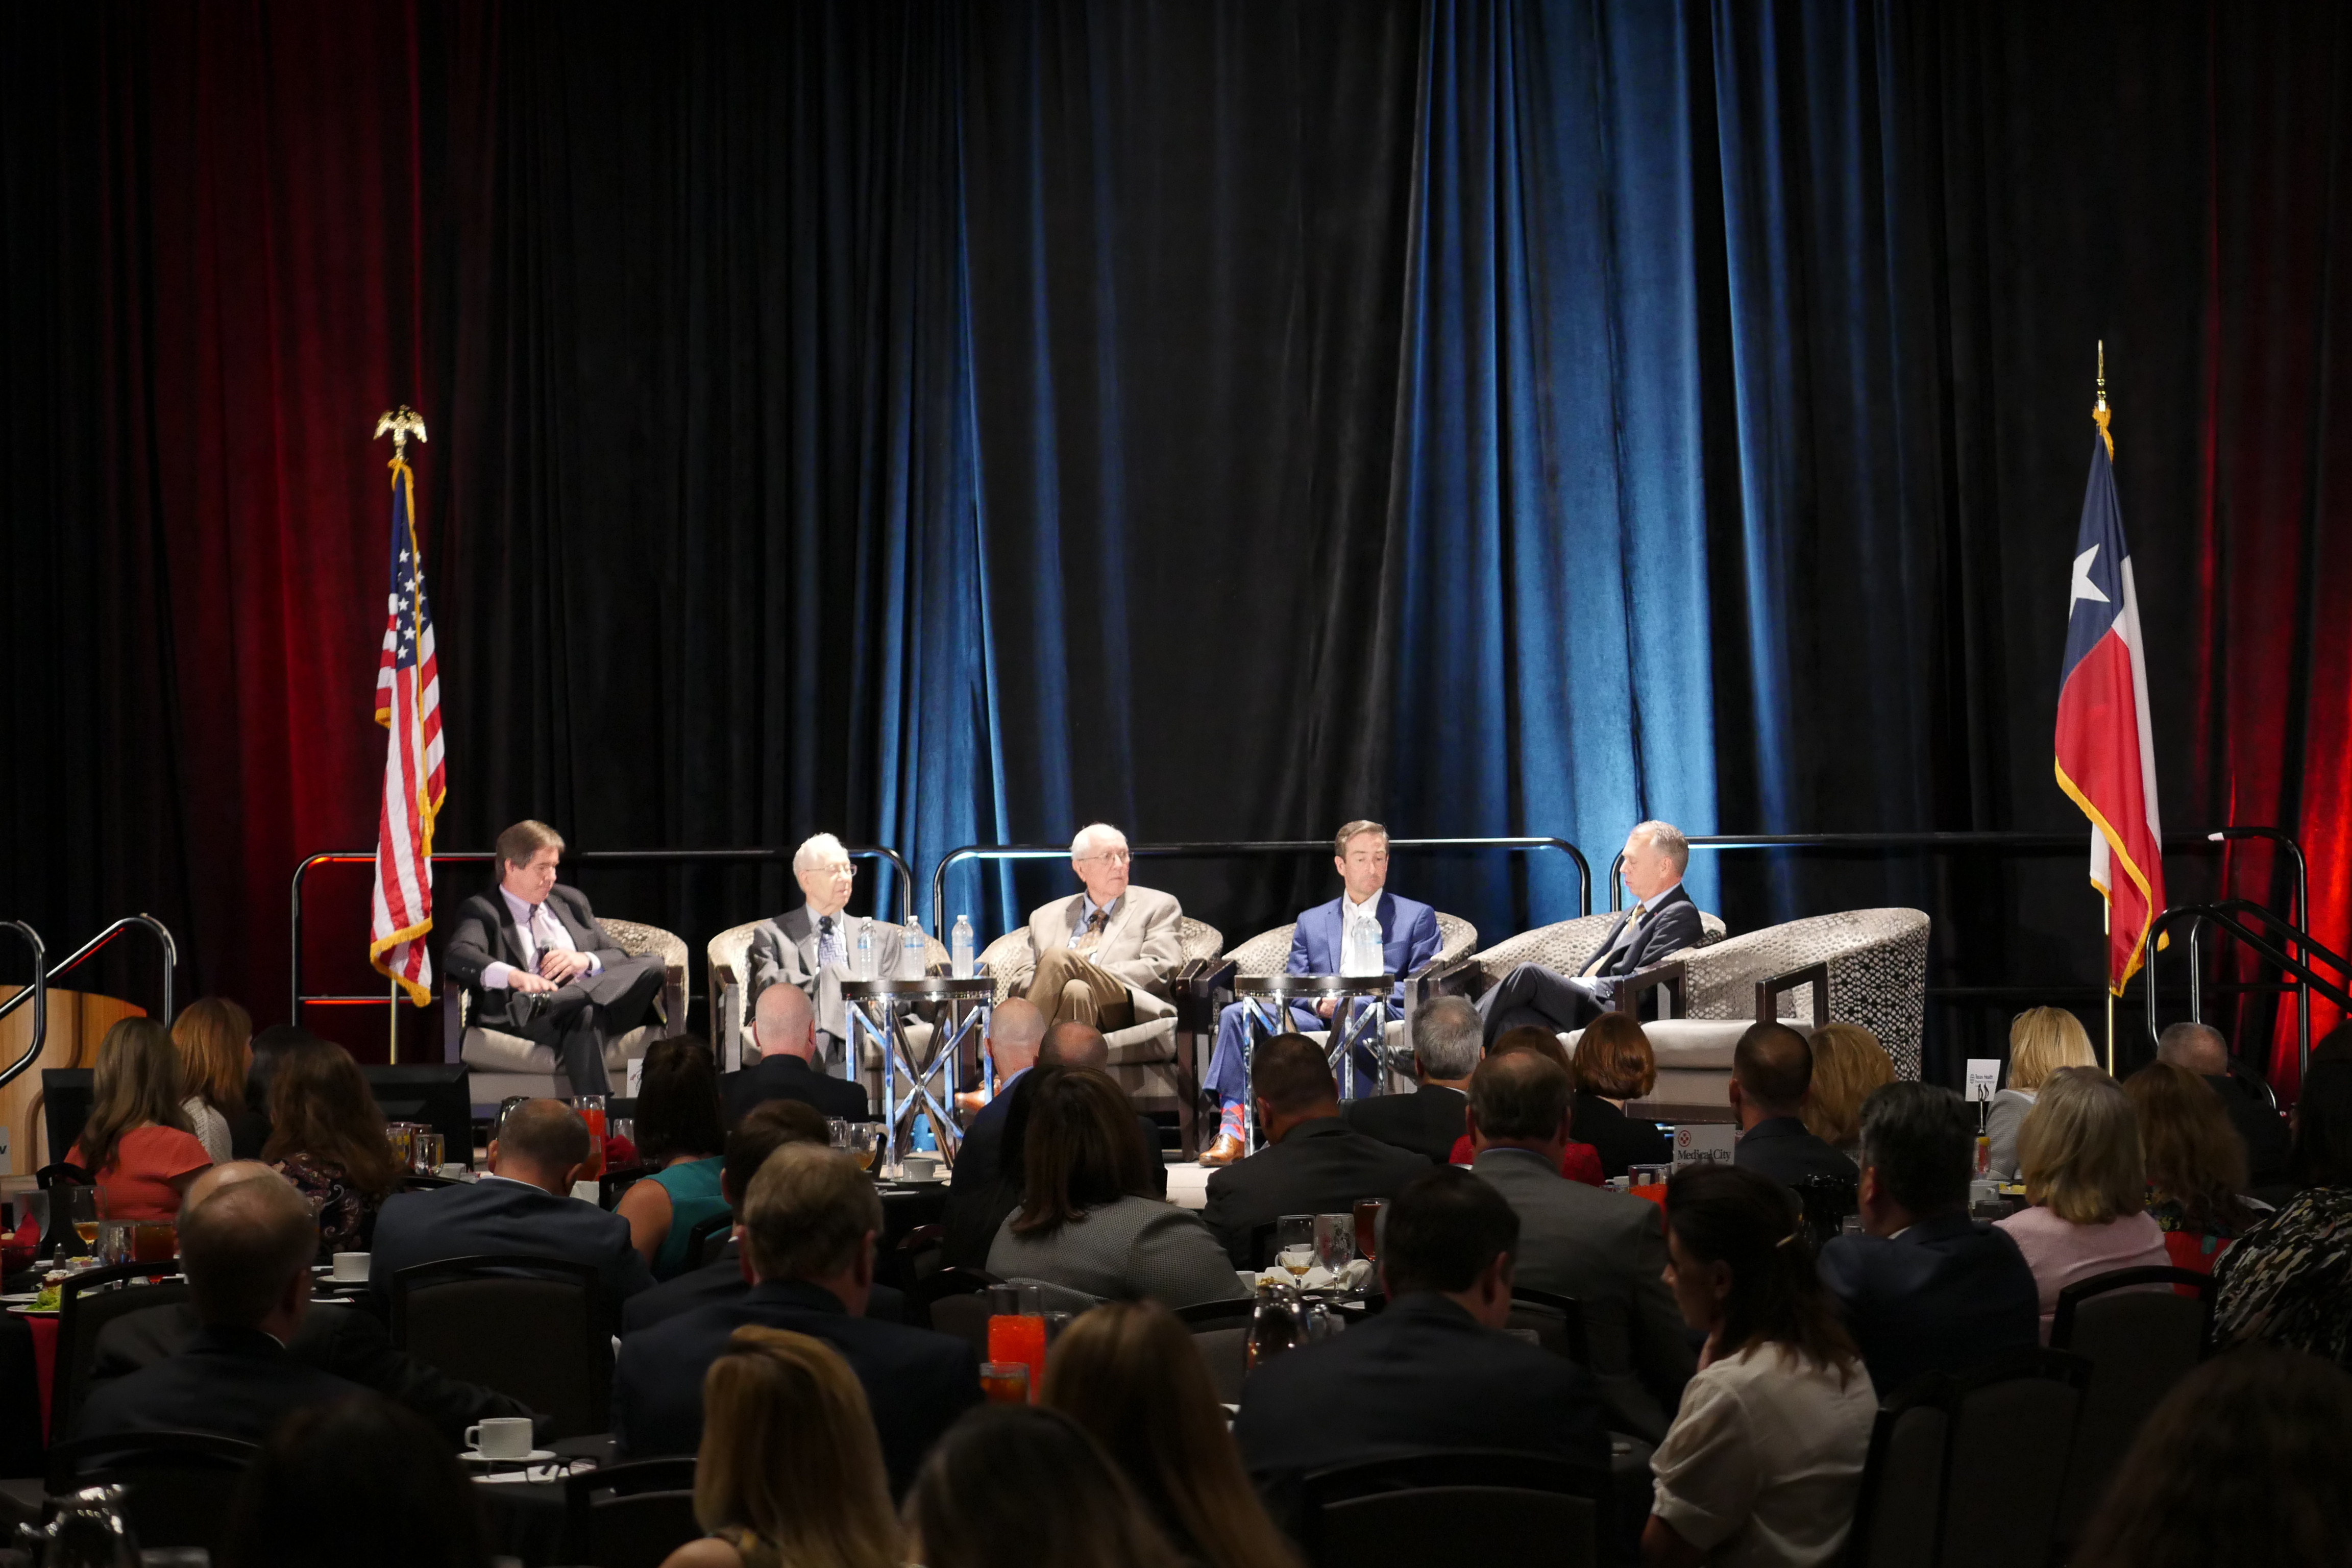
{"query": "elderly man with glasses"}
pixel 815 946
pixel 1104 954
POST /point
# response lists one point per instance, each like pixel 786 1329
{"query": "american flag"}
pixel 408 704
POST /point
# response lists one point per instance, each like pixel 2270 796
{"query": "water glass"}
pixel 1294 1230
pixel 424 1153
pixel 836 1132
pixel 1335 1240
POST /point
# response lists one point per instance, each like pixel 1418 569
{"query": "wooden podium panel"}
pixel 77 1022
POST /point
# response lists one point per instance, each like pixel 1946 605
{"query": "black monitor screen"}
pixel 65 1107
pixel 435 1094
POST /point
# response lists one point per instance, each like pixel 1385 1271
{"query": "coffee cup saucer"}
pixel 536 1456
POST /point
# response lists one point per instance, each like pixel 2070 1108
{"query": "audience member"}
pixel 1604 1249
pixel 1447 1038
pixel 359 1483
pixel 1577 1162
pixel 1312 1163
pixel 1848 1064
pixel 1763 1464
pixel 1925 1289
pixel 246 1250
pixel 2080 1155
pixel 810 1221
pixel 523 1207
pixel 2288 1279
pixel 1073 1043
pixel 1613 1064
pixel 137 1142
pixel 1433 1371
pixel 1128 1374
pixel 2242 1462
pixel 2196 1163
pixel 1019 1487
pixel 784 1026
pixel 215 1038
pixel 1015 1031
pixel 677 1134
pixel 327 1137
pixel 2260 1129
pixel 1086 1221
pixel 251 1133
pixel 2041 1041
pixel 789 1474
pixel 1771 1079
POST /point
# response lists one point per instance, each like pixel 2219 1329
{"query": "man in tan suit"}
pixel 1104 955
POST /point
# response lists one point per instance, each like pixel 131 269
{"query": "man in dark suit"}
pixel 1447 1037
pixel 2201 1048
pixel 1366 931
pixel 809 1225
pixel 1433 1371
pixel 813 947
pixel 1313 1163
pixel 1925 1289
pixel 1606 1249
pixel 1016 1033
pixel 785 1029
pixel 1771 1072
pixel 523 1207
pixel 539 965
pixel 246 1247
pixel 1663 920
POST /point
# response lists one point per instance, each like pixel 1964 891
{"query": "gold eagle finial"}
pixel 2099 415
pixel 399 424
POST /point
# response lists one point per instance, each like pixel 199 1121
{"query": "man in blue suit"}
pixel 1365 931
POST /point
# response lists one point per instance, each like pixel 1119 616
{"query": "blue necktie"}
pixel 828 944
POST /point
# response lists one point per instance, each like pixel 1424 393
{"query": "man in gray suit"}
pixel 814 947
pixel 1104 955
pixel 1606 1249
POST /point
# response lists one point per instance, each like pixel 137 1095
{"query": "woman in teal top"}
pixel 677 1127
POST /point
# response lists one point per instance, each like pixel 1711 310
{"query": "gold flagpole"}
pixel 2100 415
pixel 393 1029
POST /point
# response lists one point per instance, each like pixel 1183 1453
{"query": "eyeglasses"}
pixel 1108 856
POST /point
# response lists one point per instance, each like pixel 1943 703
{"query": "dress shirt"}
pixel 499 976
pixel 1359 937
pixel 1088 910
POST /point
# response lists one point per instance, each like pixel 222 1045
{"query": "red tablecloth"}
pixel 45 1356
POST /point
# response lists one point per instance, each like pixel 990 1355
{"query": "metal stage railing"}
pixel 2225 915
pixel 37 993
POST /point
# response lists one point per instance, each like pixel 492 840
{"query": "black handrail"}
pixel 2223 915
pixel 1222 850
pixel 2300 913
pixel 39 990
pixel 585 856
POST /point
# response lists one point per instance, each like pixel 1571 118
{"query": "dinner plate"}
pixel 18 1298
pixel 536 1456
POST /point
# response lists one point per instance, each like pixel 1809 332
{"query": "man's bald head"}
pixel 783 1024
pixel 1015 1030
pixel 2199 1048
pixel 215 1177
pixel 245 1246
pixel 1773 1065
pixel 1070 1043
pixel 543 1142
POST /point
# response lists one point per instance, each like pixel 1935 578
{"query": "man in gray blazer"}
pixel 1607 1249
pixel 814 947
pixel 1105 954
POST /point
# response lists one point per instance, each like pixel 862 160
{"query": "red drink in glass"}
pixel 1019 1337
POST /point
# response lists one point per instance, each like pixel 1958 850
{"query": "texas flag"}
pixel 2106 753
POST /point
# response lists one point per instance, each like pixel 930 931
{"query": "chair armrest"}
pixel 453 1019
pixel 1674 979
pixel 1769 992
pixel 1194 990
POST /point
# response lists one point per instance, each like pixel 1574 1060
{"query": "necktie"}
pixel 828 944
pixel 1624 939
pixel 1091 938
pixel 543 932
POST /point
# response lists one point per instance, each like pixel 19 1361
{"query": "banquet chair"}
pixel 1221 1332
pixel 176 1485
pixel 1410 1510
pixel 87 1302
pixel 1558 1322
pixel 630 1515
pixel 2140 1340
pixel 535 1329
pixel 707 1242
pixel 1826 1200
pixel 505 1066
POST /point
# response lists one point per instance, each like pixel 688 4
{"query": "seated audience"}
pixel 2079 1153
pixel 1763 1464
pixel 2041 1041
pixel 137 1142
pixel 2288 1279
pixel 1128 1374
pixel 1604 1249
pixel 524 1206
pixel 1018 1487
pixel 2260 1129
pixel 1613 1064
pixel 979 1194
pixel 2242 1462
pixel 1073 1043
pixel 359 1483
pixel 1925 1288
pixel 1849 1064
pixel 251 1132
pixel 789 1471
pixel 784 1028
pixel 246 1250
pixel 2196 1163
pixel 327 1137
pixel 1771 1081
pixel 1447 1041
pixel 810 1221
pixel 1313 1163
pixel 1577 1162
pixel 215 1038
pixel 678 1135
pixel 1087 1221
pixel 1433 1371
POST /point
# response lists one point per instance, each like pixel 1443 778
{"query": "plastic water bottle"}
pixel 865 967
pixel 915 954
pixel 959 947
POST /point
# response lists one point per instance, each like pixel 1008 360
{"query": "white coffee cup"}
pixel 919 1167
pixel 351 1269
pixel 453 1170
pixel 501 1438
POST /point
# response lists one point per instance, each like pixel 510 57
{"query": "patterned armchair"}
pixel 502 1065
pixel 1566 946
pixel 729 960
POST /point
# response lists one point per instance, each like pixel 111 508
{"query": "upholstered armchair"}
pixel 502 1065
pixel 728 956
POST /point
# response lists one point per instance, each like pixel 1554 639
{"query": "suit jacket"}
pixel 1426 1122
pixel 1669 927
pixel 494 1217
pixel 725 1281
pixel 485 934
pixel 1609 1251
pixel 916 1383
pixel 780 1077
pixel 1946 1295
pixel 232 1383
pixel 1622 1142
pixel 347 1342
pixel 1781 1148
pixel 1422 1374
pixel 1319 1167
pixel 1409 939
pixel 2260 1127
pixel 1142 944
pixel 784 949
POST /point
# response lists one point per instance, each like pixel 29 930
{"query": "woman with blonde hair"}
pixel 215 1038
pixel 137 1142
pixel 2087 1182
pixel 1128 1372
pixel 2042 1040
pixel 2196 1163
pixel 790 1473
pixel 1848 1063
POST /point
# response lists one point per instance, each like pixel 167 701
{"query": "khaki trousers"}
pixel 1070 988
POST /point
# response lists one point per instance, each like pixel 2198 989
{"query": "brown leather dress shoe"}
pixel 1224 1152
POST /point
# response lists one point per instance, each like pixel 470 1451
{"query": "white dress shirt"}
pixel 550 932
pixel 1359 937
